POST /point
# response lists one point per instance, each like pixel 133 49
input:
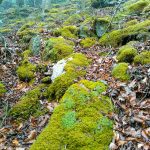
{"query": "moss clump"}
pixel 87 42
pixel 74 69
pixel 143 58
pixel 79 121
pixel 131 22
pixel 26 71
pixel 73 19
pixel 46 80
pixel 117 37
pixel 57 48
pixel 26 54
pixel 138 6
pixel 28 105
pixel 120 72
pixel 146 9
pixel 67 32
pixel 2 89
pixel 126 54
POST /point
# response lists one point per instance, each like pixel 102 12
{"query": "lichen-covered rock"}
pixel 57 48
pixel 28 105
pixel 126 54
pixel 87 42
pixel 121 36
pixel 100 25
pixel 79 121
pixel 2 89
pixel 143 58
pixel 26 71
pixel 35 45
pixel 74 69
pixel 120 71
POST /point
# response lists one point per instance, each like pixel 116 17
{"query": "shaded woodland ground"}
pixel 75 75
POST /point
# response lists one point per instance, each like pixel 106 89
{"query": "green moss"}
pixel 5 30
pixel 74 69
pixel 2 89
pixel 26 54
pixel 126 53
pixel 57 48
pixel 146 9
pixel 138 6
pixel 73 20
pixel 120 72
pixel 87 42
pixel 46 80
pixel 131 22
pixel 67 32
pixel 143 58
pixel 116 37
pixel 28 105
pixel 82 125
pixel 26 71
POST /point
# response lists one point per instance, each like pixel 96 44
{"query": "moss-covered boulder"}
pixel 143 58
pixel 57 48
pixel 74 69
pixel 123 36
pixel 79 122
pixel 126 53
pixel 120 71
pixel 67 32
pixel 26 71
pixel 87 42
pixel 2 89
pixel 28 105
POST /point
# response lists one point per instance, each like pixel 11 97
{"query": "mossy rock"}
pixel 131 22
pixel 26 71
pixel 126 54
pixel 67 32
pixel 143 58
pixel 120 71
pixel 79 121
pixel 73 20
pixel 57 48
pixel 28 105
pixel 121 36
pixel 138 6
pixel 87 42
pixel 74 69
pixel 2 89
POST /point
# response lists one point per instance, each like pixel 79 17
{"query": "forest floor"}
pixel 131 101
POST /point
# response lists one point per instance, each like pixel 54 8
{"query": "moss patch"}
pixel 74 69
pixel 143 58
pixel 57 48
pixel 2 89
pixel 126 54
pixel 28 105
pixel 117 37
pixel 26 71
pixel 67 32
pixel 78 122
pixel 87 42
pixel 120 72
